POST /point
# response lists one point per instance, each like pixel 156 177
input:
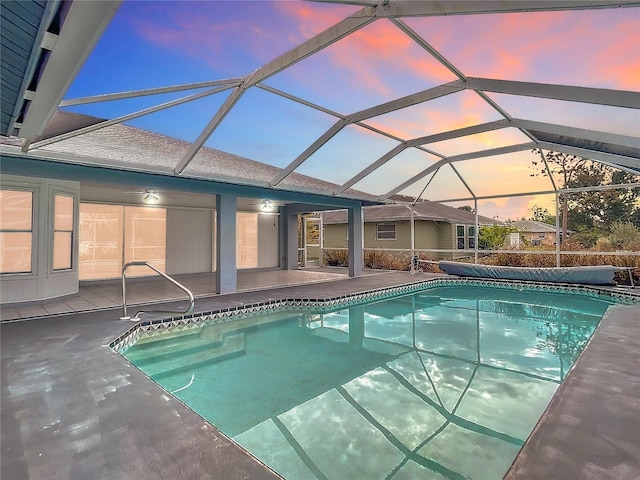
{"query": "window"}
pixel 472 236
pixel 386 231
pixel 145 238
pixel 62 232
pixel 541 235
pixel 460 236
pixel 16 231
pixel 111 235
pixel 100 253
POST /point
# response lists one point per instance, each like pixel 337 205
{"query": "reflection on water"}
pixel 443 384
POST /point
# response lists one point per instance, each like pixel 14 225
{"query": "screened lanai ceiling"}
pixel 444 101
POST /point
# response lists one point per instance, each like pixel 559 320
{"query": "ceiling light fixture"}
pixel 150 196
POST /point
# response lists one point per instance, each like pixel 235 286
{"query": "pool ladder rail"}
pixel 136 317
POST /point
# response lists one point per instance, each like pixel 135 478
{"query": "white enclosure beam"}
pixel 315 44
pixel 411 8
pixel 460 132
pixel 593 188
pixel 598 96
pixel 357 117
pixel 222 112
pixel 610 159
pixel 82 27
pixel 409 100
pixel 458 158
pixel 326 136
pixel 425 45
pixel 492 152
pixel 381 161
pixel 579 133
pixel 302 51
pixel 299 100
pixel 125 118
pixel 149 91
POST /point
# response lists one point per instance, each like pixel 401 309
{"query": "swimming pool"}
pixel 446 382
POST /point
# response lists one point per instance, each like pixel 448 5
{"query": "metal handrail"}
pixel 124 292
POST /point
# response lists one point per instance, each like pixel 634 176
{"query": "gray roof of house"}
pixel 126 147
pixel 533 226
pixel 431 211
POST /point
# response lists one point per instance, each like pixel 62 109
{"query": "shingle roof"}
pixel 430 211
pixel 127 147
pixel 533 226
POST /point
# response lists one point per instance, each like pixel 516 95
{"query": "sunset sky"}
pixel 160 43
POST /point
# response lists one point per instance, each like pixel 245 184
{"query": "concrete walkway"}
pixel 74 409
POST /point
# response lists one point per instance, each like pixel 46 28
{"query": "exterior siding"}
pixel 335 236
pixel 429 235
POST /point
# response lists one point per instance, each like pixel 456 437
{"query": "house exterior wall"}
pixel 446 236
pixel 43 281
pixel 189 241
pixel 428 235
pixel 268 241
pixel 335 235
pixel 540 238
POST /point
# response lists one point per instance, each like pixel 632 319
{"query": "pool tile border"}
pixel 151 328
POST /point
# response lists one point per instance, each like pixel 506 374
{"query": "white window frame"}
pixel 34 189
pixel 463 237
pixel 54 191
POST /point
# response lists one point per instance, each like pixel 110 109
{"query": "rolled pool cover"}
pixel 591 275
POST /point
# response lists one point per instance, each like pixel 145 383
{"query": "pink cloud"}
pixel 591 48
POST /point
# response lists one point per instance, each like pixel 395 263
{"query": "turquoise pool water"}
pixel 446 383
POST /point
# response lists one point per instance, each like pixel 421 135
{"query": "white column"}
pixel 356 255
pixel 226 271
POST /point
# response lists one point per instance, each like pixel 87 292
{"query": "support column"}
pixel 289 231
pixel 226 271
pixel 356 251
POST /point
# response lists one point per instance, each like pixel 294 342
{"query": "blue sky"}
pixel 159 43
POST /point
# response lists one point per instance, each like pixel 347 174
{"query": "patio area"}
pixel 151 290
pixel 72 408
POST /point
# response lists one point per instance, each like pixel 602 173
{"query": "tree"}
pixel 561 167
pixel 466 208
pixel 540 214
pixel 592 211
pixel 625 236
pixel 495 236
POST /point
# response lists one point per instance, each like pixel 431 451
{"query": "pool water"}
pixel 446 383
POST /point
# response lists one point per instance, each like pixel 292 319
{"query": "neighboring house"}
pixel 536 233
pixel 436 227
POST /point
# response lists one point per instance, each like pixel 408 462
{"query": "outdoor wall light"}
pixel 150 196
pixel 266 206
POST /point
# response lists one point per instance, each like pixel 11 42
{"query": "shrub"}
pixel 336 258
pixel 625 236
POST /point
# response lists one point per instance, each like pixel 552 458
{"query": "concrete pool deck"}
pixel 73 408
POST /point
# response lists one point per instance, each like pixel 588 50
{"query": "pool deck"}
pixel 74 409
